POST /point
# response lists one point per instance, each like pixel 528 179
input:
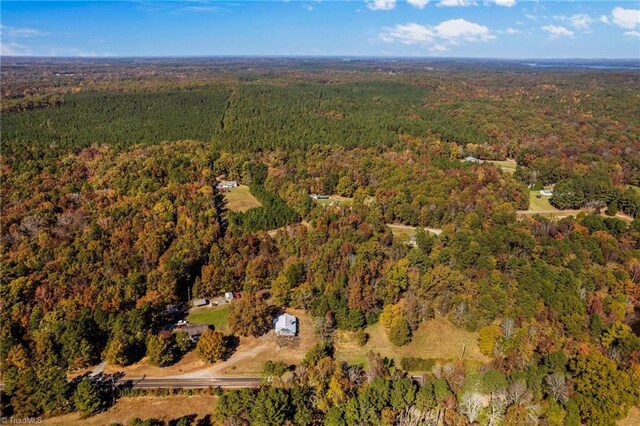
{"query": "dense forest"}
pixel 111 212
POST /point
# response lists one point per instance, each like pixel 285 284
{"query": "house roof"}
pixel 286 324
pixel 199 302
pixel 194 329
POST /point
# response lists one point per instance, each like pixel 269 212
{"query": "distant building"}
pixel 546 192
pixel 471 159
pixel 199 302
pixel 193 330
pixel 319 196
pixel 227 184
pixel 228 296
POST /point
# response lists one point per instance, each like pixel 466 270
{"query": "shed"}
pixel 199 302
pixel 286 325
pixel 228 296
pixel 546 192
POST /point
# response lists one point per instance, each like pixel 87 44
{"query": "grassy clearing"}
pixel 166 408
pixel 541 204
pixel 239 199
pixel 336 200
pixel 217 317
pixel 404 232
pixel 438 339
pixel 508 166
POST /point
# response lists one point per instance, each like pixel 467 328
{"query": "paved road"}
pixel 190 383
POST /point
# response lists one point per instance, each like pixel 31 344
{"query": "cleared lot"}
pixel 438 339
pixel 239 199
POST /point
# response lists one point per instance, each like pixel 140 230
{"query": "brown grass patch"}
pixel 145 407
pixel 239 199
pixel 438 339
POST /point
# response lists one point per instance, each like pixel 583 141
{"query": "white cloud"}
pixel 308 7
pixel 420 4
pixel 556 31
pixel 505 3
pixel 381 4
pixel 457 3
pixel 456 29
pixel 439 38
pixel 410 33
pixel 12 48
pixel 579 21
pixel 20 32
pixel 634 34
pixel 438 48
pixel 604 19
pixel 512 31
pixel 626 18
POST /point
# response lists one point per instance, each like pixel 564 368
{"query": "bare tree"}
pixel 412 416
pixel 508 326
pixel 517 393
pixel 470 405
pixel 557 387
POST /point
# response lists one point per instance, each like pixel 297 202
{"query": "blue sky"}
pixel 447 28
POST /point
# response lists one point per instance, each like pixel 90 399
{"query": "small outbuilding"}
pixel 546 192
pixel 197 303
pixel 286 325
pixel 228 296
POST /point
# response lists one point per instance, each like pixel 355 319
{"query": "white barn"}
pixel 286 325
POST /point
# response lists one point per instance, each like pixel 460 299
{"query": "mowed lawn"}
pixel 508 166
pixel 239 199
pixel 217 317
pixel 437 339
pixel 541 204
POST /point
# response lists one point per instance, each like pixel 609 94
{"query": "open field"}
pixel 633 419
pixel 336 200
pixel 189 363
pixel 508 165
pixel 541 204
pixel 215 316
pixel 165 408
pixel 438 339
pixel 404 232
pixel 240 199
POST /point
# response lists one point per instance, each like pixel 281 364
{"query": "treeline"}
pixel 595 189
pixel 274 213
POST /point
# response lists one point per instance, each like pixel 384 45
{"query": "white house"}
pixel 227 184
pixel 228 296
pixel 546 192
pixel 286 325
pixel 471 159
